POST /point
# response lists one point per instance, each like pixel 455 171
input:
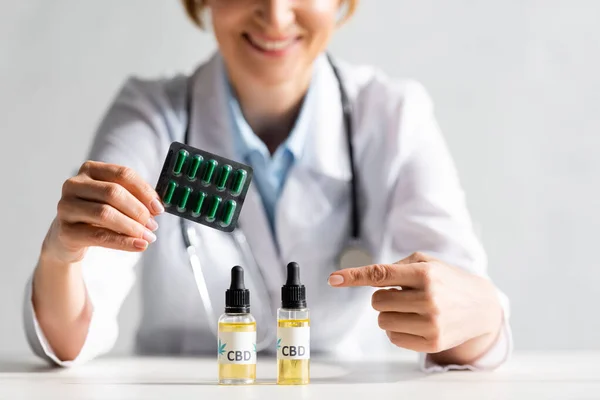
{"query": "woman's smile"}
pixel 272 46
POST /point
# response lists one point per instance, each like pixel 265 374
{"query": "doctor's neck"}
pixel 271 110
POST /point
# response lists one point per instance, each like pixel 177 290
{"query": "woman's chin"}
pixel 272 75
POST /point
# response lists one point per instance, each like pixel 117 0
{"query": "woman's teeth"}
pixel 271 45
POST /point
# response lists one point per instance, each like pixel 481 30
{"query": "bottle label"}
pixel 237 348
pixel 293 343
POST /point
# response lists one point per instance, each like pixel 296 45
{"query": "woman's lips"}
pixel 272 46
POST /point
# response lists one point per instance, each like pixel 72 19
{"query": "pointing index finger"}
pixel 380 275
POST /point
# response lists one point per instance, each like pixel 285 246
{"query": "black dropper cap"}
pixel 293 293
pixel 237 297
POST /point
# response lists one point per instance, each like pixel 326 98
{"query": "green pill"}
pixel 169 193
pixel 184 198
pixel 238 181
pixel 199 203
pixel 209 171
pixel 196 161
pixel 212 211
pixel 181 156
pixel 228 212
pixel 225 171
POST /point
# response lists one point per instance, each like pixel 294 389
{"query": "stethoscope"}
pixel 354 253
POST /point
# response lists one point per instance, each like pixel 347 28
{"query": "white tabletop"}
pixel 526 376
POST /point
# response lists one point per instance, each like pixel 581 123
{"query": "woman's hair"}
pixel 194 9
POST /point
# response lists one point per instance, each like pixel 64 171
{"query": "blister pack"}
pixel 203 187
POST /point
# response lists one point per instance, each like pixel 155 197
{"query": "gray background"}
pixel 517 92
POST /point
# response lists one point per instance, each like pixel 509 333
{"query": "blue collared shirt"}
pixel 270 172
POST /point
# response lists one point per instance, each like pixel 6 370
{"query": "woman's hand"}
pixel 440 309
pixel 104 205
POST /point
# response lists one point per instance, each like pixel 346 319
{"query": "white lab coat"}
pixel 409 194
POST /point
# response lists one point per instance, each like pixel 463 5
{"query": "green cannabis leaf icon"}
pixel 222 347
pixel 278 343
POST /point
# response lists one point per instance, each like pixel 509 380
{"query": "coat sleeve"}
pixel 134 132
pixel 109 277
pixel 428 212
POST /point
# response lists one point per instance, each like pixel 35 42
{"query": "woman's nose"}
pixel 277 15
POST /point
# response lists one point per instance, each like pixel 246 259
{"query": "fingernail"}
pixel 149 237
pixel 140 244
pixel 335 280
pixel 152 224
pixel 157 207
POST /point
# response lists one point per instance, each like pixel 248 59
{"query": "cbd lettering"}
pixel 293 351
pixel 239 355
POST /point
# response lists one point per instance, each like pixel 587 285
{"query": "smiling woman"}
pixel 310 126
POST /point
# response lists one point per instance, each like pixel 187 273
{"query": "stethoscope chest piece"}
pixel 354 255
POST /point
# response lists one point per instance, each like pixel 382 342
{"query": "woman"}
pixel 269 98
